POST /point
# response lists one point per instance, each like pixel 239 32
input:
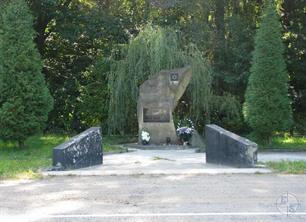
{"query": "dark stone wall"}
pixel 80 151
pixel 224 147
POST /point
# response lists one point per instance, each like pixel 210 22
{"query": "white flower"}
pixel 145 136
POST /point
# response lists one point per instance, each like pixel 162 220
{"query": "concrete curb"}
pixel 158 172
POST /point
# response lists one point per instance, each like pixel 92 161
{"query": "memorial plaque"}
pixel 174 77
pixel 158 114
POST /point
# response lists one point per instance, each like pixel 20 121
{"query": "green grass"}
pixel 24 163
pixel 113 148
pixel 18 163
pixel 286 143
pixel 119 139
pixel 110 143
pixel 294 167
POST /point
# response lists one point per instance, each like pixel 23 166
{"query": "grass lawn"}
pixel 110 143
pixel 16 163
pixel 295 167
pixel 286 143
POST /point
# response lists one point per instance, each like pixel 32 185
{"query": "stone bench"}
pixel 80 151
pixel 224 147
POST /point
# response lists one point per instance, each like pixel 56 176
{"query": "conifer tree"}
pixel 267 106
pixel 25 100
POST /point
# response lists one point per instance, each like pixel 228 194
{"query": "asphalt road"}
pixel 179 198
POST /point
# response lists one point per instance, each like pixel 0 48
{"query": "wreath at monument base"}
pixel 185 134
pixel 185 130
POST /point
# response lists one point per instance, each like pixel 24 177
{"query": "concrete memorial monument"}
pixel 158 98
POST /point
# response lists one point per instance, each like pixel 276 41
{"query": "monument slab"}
pixel 158 98
pixel 224 147
pixel 80 151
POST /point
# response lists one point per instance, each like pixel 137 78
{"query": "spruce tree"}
pixel 267 106
pixel 25 100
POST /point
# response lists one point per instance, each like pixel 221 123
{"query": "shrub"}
pixel 267 105
pixel 24 98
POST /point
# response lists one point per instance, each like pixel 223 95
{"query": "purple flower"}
pixel 184 130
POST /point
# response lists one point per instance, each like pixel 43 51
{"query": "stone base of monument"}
pixel 224 147
pixel 157 147
pixel 80 151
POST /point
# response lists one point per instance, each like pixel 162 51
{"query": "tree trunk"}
pixel 21 144
pixel 146 11
pixel 220 32
pixel 219 48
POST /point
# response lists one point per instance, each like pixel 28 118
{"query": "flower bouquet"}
pixel 145 137
pixel 185 134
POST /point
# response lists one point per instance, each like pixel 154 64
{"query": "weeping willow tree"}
pixel 154 49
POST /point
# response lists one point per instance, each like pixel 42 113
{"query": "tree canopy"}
pixel 85 44
pixel 154 49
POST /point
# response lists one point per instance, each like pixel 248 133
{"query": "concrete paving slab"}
pixel 170 162
pixel 157 162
